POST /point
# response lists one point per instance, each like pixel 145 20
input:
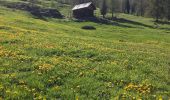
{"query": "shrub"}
pixel 89 27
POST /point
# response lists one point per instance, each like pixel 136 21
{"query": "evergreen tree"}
pixel 157 9
pixel 127 6
pixel 167 8
pixel 104 8
pixel 112 7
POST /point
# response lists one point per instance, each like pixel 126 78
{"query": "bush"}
pixel 89 27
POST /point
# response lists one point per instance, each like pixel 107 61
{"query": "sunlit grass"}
pixel 57 59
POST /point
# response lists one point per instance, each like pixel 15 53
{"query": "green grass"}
pixel 56 59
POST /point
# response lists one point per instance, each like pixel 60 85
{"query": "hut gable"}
pixel 84 10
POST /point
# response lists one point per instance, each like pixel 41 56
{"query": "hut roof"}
pixel 83 5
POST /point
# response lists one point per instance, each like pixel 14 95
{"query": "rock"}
pixel 36 10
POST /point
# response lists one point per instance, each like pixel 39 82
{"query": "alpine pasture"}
pixel 56 59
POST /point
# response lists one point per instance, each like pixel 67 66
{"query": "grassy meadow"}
pixel 56 59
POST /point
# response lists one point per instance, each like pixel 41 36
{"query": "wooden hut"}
pixel 84 10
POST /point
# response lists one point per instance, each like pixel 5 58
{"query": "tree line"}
pixel 158 9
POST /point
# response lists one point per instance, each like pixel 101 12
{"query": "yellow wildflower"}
pixel 45 67
pixel 114 62
pixel 160 98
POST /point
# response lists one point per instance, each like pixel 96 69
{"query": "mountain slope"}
pixel 55 58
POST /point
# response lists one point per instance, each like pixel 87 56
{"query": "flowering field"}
pixel 56 59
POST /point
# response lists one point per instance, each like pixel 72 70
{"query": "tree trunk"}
pixel 112 14
pixel 157 19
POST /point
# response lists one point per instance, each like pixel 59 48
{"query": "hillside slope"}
pixel 55 58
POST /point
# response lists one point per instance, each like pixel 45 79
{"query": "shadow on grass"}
pixel 119 22
pixel 103 21
pixel 166 29
pixel 122 20
pixel 163 22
